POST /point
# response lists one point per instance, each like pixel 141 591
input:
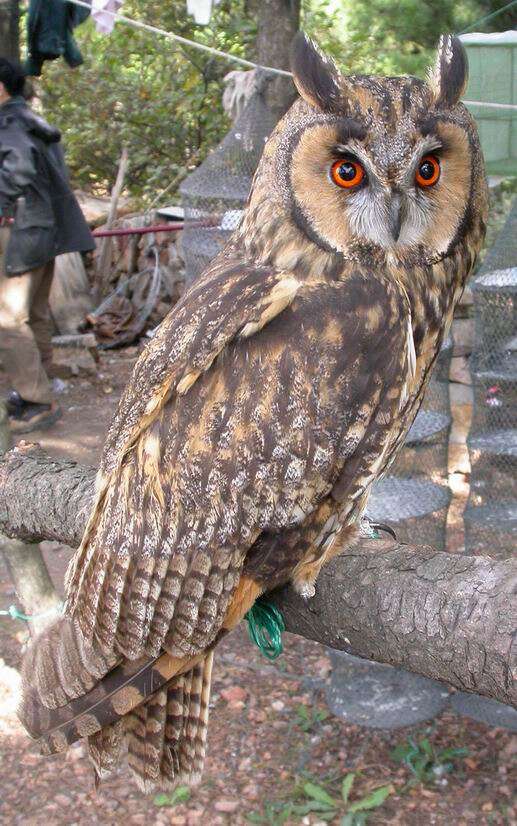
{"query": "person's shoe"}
pixel 27 416
pixel 13 403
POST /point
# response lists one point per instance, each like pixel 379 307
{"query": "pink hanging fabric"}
pixel 104 21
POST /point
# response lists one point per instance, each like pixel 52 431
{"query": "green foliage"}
pixel 180 795
pixel 425 763
pixel 314 798
pixel 309 718
pixel 273 814
pixel 160 99
pixel 383 37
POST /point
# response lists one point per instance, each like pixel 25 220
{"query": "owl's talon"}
pixel 380 526
pixel 368 528
pixel 306 590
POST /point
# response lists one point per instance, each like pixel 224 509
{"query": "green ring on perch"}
pixel 265 628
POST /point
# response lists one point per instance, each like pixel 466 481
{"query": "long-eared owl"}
pixel 274 393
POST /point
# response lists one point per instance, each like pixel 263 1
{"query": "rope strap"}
pixel 265 627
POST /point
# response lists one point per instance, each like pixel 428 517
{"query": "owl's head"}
pixel 378 162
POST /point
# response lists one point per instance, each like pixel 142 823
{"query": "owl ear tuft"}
pixel 449 75
pixel 315 75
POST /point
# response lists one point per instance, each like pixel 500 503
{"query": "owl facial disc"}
pixel 380 164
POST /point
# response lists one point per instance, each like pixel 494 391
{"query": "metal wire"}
pixel 491 513
pixel 488 17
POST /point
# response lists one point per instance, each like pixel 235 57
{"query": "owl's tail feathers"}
pixel 157 706
pixel 58 668
pixel 165 735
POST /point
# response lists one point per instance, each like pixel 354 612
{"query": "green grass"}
pixel 308 718
pixel 426 763
pixel 180 795
pixel 329 806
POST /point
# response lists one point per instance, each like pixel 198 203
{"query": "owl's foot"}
pixel 305 589
pixel 372 529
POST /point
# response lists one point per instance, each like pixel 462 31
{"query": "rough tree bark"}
pixel 10 29
pixel 277 23
pixel 451 618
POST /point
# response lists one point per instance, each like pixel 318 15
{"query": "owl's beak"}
pixel 395 215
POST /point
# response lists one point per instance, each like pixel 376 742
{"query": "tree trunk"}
pixel 26 565
pixel 31 579
pixel 10 29
pixel 448 617
pixel 103 270
pixel 277 23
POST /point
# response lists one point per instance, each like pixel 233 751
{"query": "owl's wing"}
pixel 144 511
pixel 229 300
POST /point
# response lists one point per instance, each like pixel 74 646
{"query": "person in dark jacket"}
pixel 40 219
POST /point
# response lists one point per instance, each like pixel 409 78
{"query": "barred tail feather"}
pixel 166 735
pixel 71 693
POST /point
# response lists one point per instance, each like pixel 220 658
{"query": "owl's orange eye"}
pixel 428 171
pixel 347 173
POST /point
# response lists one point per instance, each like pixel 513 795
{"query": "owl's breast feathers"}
pixel 249 433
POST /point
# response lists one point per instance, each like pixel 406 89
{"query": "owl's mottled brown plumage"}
pixel 272 396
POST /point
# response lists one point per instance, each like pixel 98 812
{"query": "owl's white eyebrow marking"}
pixel 431 144
pixel 343 149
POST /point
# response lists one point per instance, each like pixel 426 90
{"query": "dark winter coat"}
pixel 35 192
pixel 49 33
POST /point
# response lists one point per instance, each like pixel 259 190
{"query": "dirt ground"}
pixel 270 730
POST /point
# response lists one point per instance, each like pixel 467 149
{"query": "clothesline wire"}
pixel 139 24
pixel 492 105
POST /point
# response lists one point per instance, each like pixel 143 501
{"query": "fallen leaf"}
pixel 234 693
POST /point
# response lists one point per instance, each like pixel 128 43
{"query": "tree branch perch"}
pixel 449 617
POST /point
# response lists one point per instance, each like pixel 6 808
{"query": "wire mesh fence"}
pixel 491 513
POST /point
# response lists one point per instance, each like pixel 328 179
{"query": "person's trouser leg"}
pixel 19 351
pixel 40 320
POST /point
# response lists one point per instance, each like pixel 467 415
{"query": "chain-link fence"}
pixel 491 513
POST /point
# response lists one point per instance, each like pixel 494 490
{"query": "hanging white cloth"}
pixel 104 21
pixel 201 10
pixel 238 89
